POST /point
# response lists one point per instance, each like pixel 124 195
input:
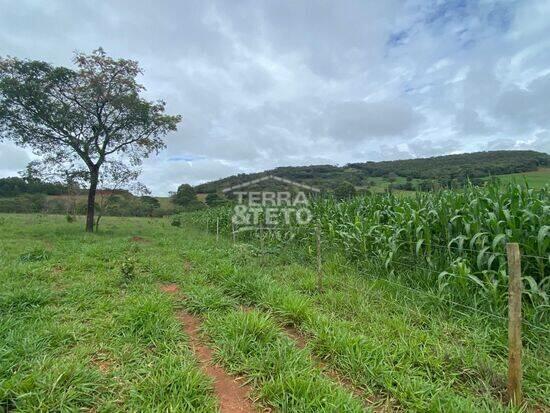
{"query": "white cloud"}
pixel 12 159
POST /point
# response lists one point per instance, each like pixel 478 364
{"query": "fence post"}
pixel 217 229
pixel 514 324
pixel 261 246
pixel 233 232
pixel 319 269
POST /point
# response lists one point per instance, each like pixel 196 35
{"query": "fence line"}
pixel 502 254
pixel 513 257
pixel 437 272
pixel 514 387
pixel 313 233
pixel 398 241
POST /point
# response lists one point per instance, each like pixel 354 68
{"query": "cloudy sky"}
pixel 272 83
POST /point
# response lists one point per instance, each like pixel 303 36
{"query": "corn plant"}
pixel 457 236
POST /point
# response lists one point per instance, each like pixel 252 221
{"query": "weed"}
pixel 37 254
pixel 128 269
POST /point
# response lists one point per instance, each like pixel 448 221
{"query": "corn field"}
pixel 453 240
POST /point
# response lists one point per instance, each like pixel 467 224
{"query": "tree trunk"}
pixel 94 177
pixel 97 222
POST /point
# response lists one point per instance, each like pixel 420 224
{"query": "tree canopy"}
pixel 185 195
pixel 81 117
pixel 344 190
pixel 463 167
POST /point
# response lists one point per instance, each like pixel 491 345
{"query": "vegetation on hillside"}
pixel 14 186
pixel 440 171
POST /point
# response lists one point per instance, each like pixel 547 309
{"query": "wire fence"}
pixel 261 232
pixel 314 239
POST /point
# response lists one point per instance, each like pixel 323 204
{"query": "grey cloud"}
pixel 526 107
pixel 540 141
pixel 469 122
pixel 356 121
pixel 425 148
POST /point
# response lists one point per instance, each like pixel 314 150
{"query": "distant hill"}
pixel 442 169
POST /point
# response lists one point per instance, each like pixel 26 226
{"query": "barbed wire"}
pixel 454 303
pixel 402 241
pixel 430 294
pixel 416 311
pixel 433 271
pixel 456 247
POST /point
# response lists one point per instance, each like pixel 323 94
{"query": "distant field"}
pixel 536 179
pixel 165 202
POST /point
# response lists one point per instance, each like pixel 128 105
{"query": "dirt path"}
pixel 233 397
pixel 380 405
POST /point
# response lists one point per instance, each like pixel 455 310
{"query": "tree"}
pixel 392 177
pixel 214 199
pixel 71 183
pixel 185 195
pixel 81 117
pixel 345 190
pixel 149 205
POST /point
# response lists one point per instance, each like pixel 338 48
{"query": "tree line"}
pixel 443 171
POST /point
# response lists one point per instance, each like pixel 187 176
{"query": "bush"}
pixel 176 221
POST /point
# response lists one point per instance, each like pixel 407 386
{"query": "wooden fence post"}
pixel 217 229
pixel 319 269
pixel 514 324
pixel 261 246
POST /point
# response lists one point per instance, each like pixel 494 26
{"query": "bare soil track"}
pixel 232 395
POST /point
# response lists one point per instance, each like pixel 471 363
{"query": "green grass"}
pixel 74 335
pixel 83 326
pixel 535 179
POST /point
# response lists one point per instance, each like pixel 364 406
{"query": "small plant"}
pixel 128 269
pixel 176 221
pixel 37 254
pixel 70 218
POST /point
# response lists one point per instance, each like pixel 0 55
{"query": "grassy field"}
pixel 84 326
pixel 536 179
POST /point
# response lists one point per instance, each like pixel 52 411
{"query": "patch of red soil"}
pixel 295 335
pixel 58 269
pixel 233 397
pixel 101 361
pixel 139 239
pixel 171 288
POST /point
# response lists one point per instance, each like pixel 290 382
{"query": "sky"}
pixel 262 84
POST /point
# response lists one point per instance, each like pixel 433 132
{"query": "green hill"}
pixel 404 174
